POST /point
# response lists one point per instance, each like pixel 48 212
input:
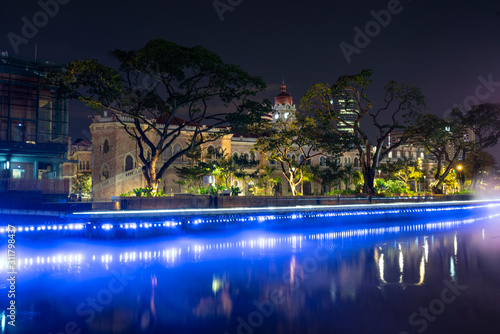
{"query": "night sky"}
pixel 445 47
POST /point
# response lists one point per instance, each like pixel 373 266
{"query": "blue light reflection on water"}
pixel 355 280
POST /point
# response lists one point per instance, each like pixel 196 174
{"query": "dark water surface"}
pixel 438 276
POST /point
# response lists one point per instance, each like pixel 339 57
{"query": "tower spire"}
pixel 283 86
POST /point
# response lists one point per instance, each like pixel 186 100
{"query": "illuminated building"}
pixel 33 128
pixel 117 167
pixel 283 105
pixel 345 104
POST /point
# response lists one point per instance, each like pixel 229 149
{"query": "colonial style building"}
pixel 81 154
pixel 117 168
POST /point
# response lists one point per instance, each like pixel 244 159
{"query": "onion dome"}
pixel 283 97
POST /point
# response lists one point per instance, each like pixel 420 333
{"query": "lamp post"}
pixel 459 176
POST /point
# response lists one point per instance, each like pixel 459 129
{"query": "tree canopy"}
pixel 292 142
pixel 163 90
pixel 400 107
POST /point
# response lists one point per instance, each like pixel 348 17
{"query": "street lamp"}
pixel 459 175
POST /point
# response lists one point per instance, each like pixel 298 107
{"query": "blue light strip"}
pixel 171 255
pixel 244 218
pixel 37 228
pixel 187 212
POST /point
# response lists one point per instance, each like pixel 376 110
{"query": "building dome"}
pixel 283 97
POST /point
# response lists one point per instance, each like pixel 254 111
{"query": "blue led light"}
pixel 223 219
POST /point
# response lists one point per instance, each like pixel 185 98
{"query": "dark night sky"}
pixel 441 46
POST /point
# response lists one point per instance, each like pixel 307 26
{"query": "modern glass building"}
pixel 345 104
pixel 33 127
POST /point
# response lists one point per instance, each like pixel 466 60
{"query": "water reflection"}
pixel 363 280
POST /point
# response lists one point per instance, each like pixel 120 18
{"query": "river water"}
pixel 440 276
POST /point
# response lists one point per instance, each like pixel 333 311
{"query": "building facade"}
pixel 345 104
pixel 117 168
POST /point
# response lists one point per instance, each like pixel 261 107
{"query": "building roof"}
pixel 283 97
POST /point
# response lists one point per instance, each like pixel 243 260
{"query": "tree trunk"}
pixel 475 174
pixel 152 180
pixel 369 176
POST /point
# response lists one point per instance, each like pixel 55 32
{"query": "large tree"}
pixel 444 139
pixel 292 142
pixel 480 168
pixel 399 107
pixel 164 90
pixel 484 121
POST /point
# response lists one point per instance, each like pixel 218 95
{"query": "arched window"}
pixel 356 162
pixel 301 158
pixel 211 153
pixel 177 149
pixel 87 165
pixel 218 152
pixel 235 156
pixel 349 161
pixel 105 173
pixel 322 161
pixel 105 146
pixel 244 156
pixel 252 157
pixel 167 154
pixel 80 166
pixel 129 163
pixel 398 154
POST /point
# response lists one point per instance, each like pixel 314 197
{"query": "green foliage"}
pixel 330 176
pixel 399 109
pixel 341 192
pixel 192 176
pixel 144 192
pixel 160 84
pixel 484 121
pixel 235 191
pixel 390 187
pixel 232 165
pixel 444 138
pixel 293 142
pixel 405 170
pixel 357 178
pixel 215 190
pixel 83 183
pixel 204 191
pixel 266 182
